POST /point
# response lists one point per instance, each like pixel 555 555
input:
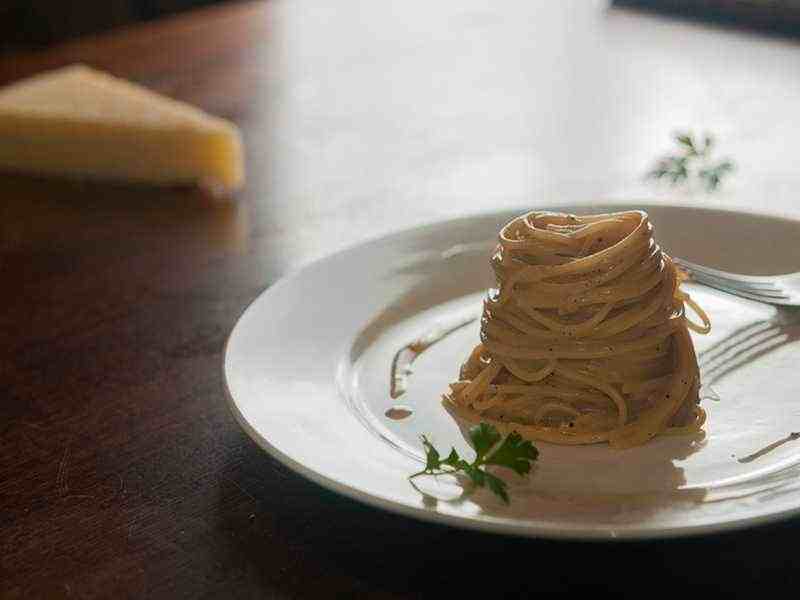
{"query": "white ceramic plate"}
pixel 308 373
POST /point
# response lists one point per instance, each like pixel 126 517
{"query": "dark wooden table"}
pixel 122 472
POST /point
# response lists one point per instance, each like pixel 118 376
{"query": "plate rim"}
pixel 508 527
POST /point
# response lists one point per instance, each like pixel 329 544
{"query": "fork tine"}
pixel 742 286
pixel 738 281
pixel 760 289
pixel 776 297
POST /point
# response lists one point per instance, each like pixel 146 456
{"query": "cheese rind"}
pixel 79 122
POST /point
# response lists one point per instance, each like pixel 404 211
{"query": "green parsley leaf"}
pixel 685 140
pixel 712 175
pixel 512 453
pixel 477 476
pixel 515 454
pixel 432 461
pixel 484 437
pixel 498 486
pixel 453 459
pixel 708 142
pixel 692 162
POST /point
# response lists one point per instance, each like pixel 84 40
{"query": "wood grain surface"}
pixel 122 472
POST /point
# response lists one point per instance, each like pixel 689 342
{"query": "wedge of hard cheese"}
pixel 82 123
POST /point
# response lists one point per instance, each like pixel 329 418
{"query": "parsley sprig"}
pixel 512 453
pixel 693 160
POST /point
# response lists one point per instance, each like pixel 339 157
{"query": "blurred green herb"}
pixel 692 161
pixel 512 453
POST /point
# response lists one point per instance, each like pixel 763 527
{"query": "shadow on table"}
pixel 322 545
pixel 62 214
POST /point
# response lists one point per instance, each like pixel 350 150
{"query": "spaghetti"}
pixel 586 338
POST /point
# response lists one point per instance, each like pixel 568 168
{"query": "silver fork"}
pixel 773 289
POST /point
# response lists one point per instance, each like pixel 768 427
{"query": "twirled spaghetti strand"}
pixel 586 338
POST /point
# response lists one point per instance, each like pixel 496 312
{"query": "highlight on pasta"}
pixel 586 338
